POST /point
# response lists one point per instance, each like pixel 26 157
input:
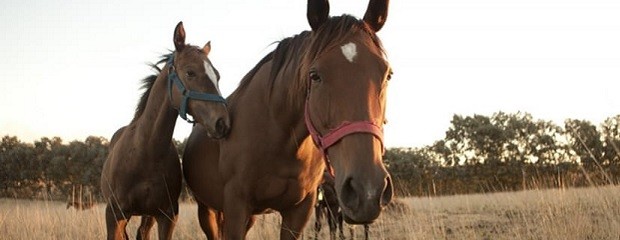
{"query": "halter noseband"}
pixel 173 78
pixel 334 135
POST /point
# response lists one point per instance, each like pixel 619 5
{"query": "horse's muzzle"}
pixel 362 201
pixel 222 128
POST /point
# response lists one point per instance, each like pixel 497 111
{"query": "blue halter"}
pixel 173 78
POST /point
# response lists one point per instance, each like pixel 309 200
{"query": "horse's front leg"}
pixel 295 219
pixel 340 220
pixel 167 221
pixel 116 221
pixel 332 222
pixel 210 221
pixel 237 213
pixel 317 220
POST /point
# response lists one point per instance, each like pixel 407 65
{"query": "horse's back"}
pixel 108 171
pixel 113 150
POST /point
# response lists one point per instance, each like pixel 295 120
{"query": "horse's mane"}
pixel 280 57
pixel 147 84
pixel 301 49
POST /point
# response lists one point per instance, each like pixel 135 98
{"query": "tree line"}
pixel 504 151
pixel 507 152
pixel 52 169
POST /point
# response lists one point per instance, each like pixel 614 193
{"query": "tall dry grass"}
pixel 586 213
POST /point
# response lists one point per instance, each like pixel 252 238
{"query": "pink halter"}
pixel 334 135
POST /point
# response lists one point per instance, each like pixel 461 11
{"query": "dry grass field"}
pixel 588 213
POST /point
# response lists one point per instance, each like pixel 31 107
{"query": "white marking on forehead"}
pixel 211 74
pixel 349 51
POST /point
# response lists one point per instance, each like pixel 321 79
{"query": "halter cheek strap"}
pixel 173 79
pixel 336 134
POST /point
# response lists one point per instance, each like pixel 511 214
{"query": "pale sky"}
pixel 72 68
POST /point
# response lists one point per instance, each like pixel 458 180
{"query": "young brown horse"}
pixel 329 83
pixel 142 174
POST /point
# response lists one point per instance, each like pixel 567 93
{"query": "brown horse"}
pixel 329 83
pixel 142 174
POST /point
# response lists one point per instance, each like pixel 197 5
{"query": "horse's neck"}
pixel 156 124
pixel 286 113
pixel 290 112
pixel 283 121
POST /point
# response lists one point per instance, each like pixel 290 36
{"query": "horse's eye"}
pixel 389 76
pixel 314 76
pixel 190 74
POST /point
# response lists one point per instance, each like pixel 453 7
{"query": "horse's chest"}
pixel 280 191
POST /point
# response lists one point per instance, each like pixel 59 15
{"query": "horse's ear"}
pixel 207 48
pixel 179 37
pixel 318 12
pixel 376 13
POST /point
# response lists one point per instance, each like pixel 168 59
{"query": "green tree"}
pixel 610 131
pixel 17 159
pixel 46 150
pixel 97 154
pixel 411 169
pixel 464 140
pixel 585 141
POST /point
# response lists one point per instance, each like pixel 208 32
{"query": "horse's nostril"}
pixel 221 127
pixel 349 196
pixel 388 193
